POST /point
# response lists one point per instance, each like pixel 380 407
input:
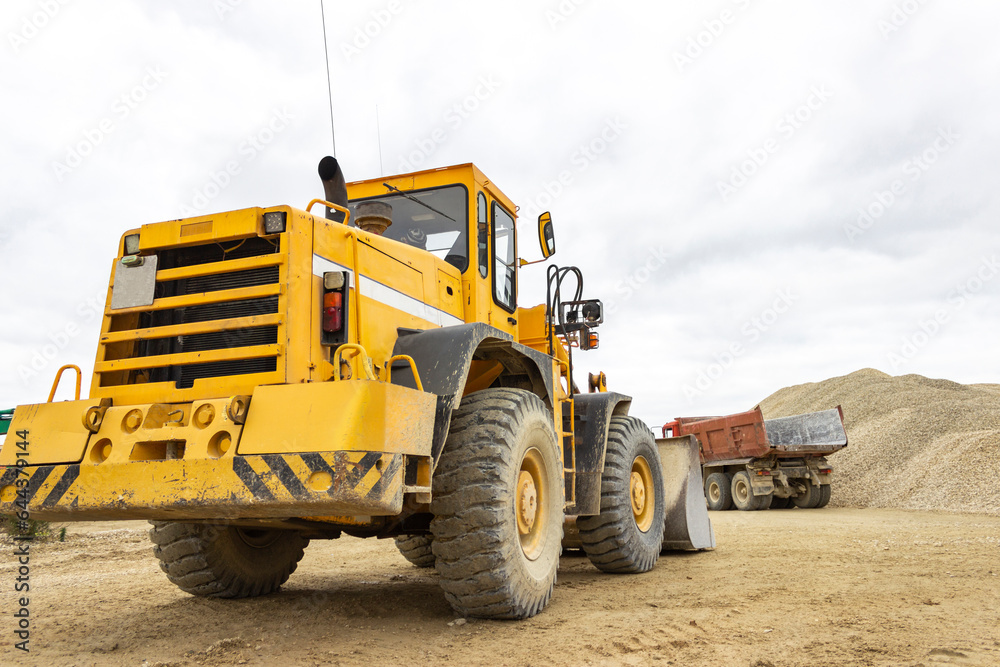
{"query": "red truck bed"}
pixel 746 435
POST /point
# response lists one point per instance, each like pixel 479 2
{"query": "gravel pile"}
pixel 914 443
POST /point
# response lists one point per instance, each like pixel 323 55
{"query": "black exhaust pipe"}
pixel 334 186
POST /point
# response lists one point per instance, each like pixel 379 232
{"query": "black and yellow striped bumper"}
pixel 355 483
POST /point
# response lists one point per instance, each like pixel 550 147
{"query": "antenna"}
pixel 378 130
pixel 329 85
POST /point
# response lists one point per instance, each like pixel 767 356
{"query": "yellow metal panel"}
pixel 196 231
pixel 225 354
pixel 214 387
pixel 206 298
pixel 193 328
pixel 219 268
pixel 298 297
pixel 341 415
pixel 55 433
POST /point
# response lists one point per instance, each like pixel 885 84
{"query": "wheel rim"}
pixel 714 492
pixel 742 492
pixel 641 493
pixel 529 504
pixel 258 538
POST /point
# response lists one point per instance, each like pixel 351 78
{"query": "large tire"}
pixel 743 497
pixel 498 506
pixel 824 495
pixel 780 503
pixel 416 549
pixel 718 491
pixel 626 537
pixel 810 499
pixel 225 561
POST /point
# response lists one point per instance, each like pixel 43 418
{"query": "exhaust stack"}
pixel 334 186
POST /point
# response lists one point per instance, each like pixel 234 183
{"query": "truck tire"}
pixel 718 491
pixel 498 506
pixel 824 495
pixel 743 497
pixel 416 549
pixel 225 561
pixel 627 536
pixel 810 499
pixel 780 503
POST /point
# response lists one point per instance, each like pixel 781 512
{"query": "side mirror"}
pixel 546 235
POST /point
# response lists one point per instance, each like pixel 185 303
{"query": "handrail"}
pixel 335 207
pixel 55 384
pixel 413 369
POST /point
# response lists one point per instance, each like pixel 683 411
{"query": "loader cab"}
pixel 458 215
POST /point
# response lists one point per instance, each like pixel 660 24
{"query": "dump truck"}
pixel 755 464
pixel 269 376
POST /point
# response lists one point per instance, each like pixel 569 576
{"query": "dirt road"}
pixel 794 587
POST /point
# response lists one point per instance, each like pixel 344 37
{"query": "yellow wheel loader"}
pixel 270 376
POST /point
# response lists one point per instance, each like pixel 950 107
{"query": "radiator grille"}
pixel 219 275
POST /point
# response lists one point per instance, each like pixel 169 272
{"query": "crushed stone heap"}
pixel 915 443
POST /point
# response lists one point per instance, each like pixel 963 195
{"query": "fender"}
pixel 443 357
pixel 592 419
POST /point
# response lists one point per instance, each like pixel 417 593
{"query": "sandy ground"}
pixel 793 587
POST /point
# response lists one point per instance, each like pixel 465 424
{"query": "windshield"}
pixel 434 220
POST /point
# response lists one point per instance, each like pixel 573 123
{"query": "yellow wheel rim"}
pixel 641 492
pixel 529 503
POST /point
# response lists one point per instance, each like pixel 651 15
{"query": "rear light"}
pixel 763 472
pixel 333 312
pixel 589 340
pixel 825 471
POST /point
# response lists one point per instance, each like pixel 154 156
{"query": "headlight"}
pixel 274 222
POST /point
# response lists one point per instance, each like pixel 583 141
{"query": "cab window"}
pixel 483 233
pixel 504 275
pixel 433 219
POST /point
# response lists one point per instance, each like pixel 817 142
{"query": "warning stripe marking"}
pixel 60 489
pixel 286 475
pixel 251 479
pixel 9 476
pixel 389 476
pixel 36 481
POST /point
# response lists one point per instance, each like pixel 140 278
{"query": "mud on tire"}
pixel 498 506
pixel 416 549
pixel 225 561
pixel 624 538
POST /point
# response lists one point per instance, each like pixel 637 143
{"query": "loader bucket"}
pixel 687 524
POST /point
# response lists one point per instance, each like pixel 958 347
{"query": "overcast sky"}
pixel 763 193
